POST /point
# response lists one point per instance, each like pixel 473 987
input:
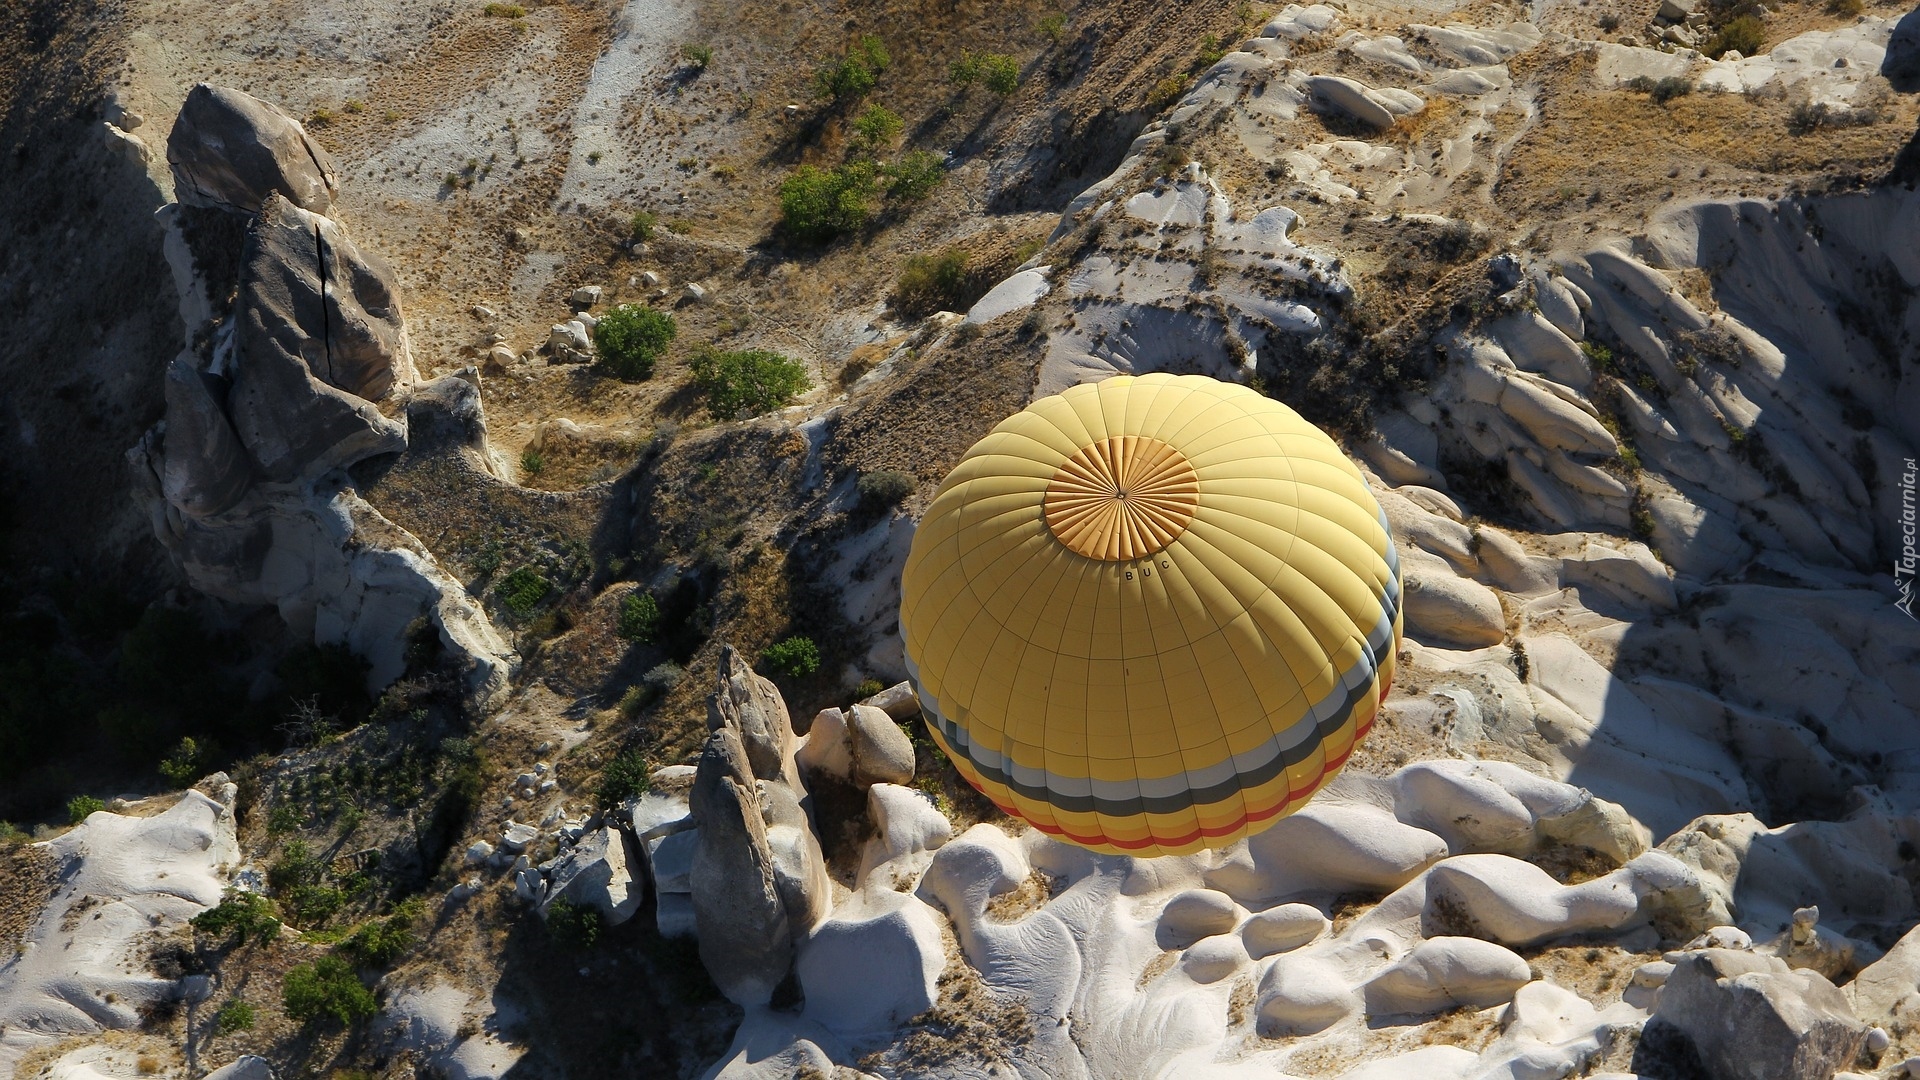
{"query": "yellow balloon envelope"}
pixel 1152 615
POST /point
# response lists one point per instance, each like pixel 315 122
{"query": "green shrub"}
pixel 1053 25
pixel 1743 32
pixel 504 11
pixel 747 382
pixel 185 764
pixel 640 617
pixel 379 943
pixel 80 806
pixel 867 688
pixel 884 488
pixel 878 125
pixel 631 337
pixel 299 881
pixel 235 1015
pixel 850 78
pixel 795 657
pixel 817 205
pixel 930 283
pixel 915 175
pixel 327 988
pixel 999 73
pixel 533 463
pixel 1669 88
pixel 241 916
pixel 625 777
pixel 642 224
pixel 1599 356
pixel 698 57
pixel 573 926
pixel 1211 50
pixel 1168 90
pixel 663 676
pixel 523 590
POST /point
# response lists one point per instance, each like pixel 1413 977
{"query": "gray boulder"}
pixel 746 939
pixel 308 369
pixel 203 467
pixel 248 1067
pixel 1447 972
pixel 861 746
pixel 232 151
pixel 1751 1018
pixel 1332 94
pixel 598 872
pixel 881 752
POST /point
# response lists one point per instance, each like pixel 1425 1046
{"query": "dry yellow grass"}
pixel 1617 155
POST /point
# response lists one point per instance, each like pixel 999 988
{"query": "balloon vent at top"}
pixel 1152 615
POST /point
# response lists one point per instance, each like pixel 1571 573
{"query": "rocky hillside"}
pixel 552 680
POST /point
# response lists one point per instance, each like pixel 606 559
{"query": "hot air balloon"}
pixel 1152 614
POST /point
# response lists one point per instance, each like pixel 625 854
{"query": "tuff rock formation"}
pixel 230 151
pixel 305 374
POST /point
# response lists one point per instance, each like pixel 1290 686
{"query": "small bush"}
pixel 298 878
pixel 850 78
pixel 929 283
pixel 1211 50
pixel 642 224
pixel 1808 117
pixel 631 337
pixel 625 777
pixel 574 927
pixel 533 463
pixel 996 71
pixel 327 988
pixel 795 657
pixel 999 73
pixel 378 944
pixel 1053 26
pixel 1599 356
pixel 663 676
pixel 1745 33
pixel 504 11
pixel 241 917
pixel 747 382
pixel 1847 9
pixel 817 205
pixel 1673 86
pixel 80 806
pixel 915 175
pixel 185 764
pixel 235 1015
pixel 640 617
pixel 884 488
pixel 523 590
pixel 1168 90
pixel 866 689
pixel 878 126
pixel 698 57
